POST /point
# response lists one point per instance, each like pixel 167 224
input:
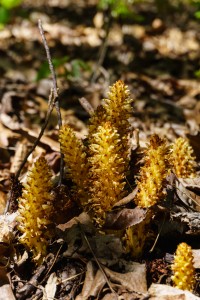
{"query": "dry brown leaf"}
pixel 133 280
pixel 124 218
pixel 165 292
pixel 20 153
pixel 50 288
pixel 191 219
pixel 3 201
pixel 196 255
pixel 5 288
pixel 93 283
pixel 188 190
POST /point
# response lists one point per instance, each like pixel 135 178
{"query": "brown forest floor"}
pixel 157 58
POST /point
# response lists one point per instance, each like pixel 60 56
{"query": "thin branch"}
pixel 55 90
pixel 53 101
pixel 50 108
pixel 86 105
pixel 103 49
pixel 53 74
pixel 16 178
pixel 97 261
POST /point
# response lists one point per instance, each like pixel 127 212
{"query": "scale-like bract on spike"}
pixel 183 159
pixel 76 160
pixel 150 191
pixel 153 173
pixel 183 268
pixel 35 208
pixel 107 174
pixel 118 109
pixel 97 119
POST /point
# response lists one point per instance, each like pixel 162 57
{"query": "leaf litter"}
pixel 83 263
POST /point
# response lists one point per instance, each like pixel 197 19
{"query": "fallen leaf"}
pixel 124 218
pixel 188 190
pixel 165 292
pixel 5 288
pixel 50 288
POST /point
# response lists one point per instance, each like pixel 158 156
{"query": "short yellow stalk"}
pixel 153 173
pixel 150 191
pixel 183 268
pixel 183 159
pixel 35 208
pixel 76 161
pixel 118 110
pixel 107 174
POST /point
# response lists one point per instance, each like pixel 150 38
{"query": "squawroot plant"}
pixel 35 208
pixel 150 191
pixel 107 173
pixel 75 158
pixel 153 173
pixel 98 169
pixel 116 109
pixel 183 268
pixel 183 159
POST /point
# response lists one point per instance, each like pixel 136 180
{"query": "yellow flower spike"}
pixel 107 174
pixel 135 237
pixel 76 160
pixel 97 119
pixel 35 208
pixel 153 173
pixel 183 268
pixel 183 159
pixel 118 109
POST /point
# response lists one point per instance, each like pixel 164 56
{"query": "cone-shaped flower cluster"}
pixel 76 160
pixel 150 190
pixel 153 173
pixel 118 110
pixel 107 172
pixel 135 236
pixel 183 159
pixel 183 268
pixel 98 170
pixel 35 208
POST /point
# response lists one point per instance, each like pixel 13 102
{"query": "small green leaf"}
pixel 44 71
pixel 197 73
pixel 4 16
pixel 9 4
pixel 197 14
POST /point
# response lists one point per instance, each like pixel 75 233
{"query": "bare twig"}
pixel 53 74
pixel 86 105
pixel 53 101
pixel 55 90
pixel 103 49
pixel 15 180
pixel 50 108
pixel 127 199
pixel 98 263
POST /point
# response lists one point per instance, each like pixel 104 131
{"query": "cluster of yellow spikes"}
pixel 98 171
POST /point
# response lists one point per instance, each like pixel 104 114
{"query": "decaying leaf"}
pixel 191 219
pixel 188 192
pixel 165 292
pixel 123 218
pixel 5 288
pixel 133 279
pixel 50 288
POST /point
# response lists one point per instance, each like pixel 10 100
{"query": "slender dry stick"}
pixel 53 101
pixel 16 177
pixel 98 263
pixel 86 105
pixel 55 90
pixel 103 49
